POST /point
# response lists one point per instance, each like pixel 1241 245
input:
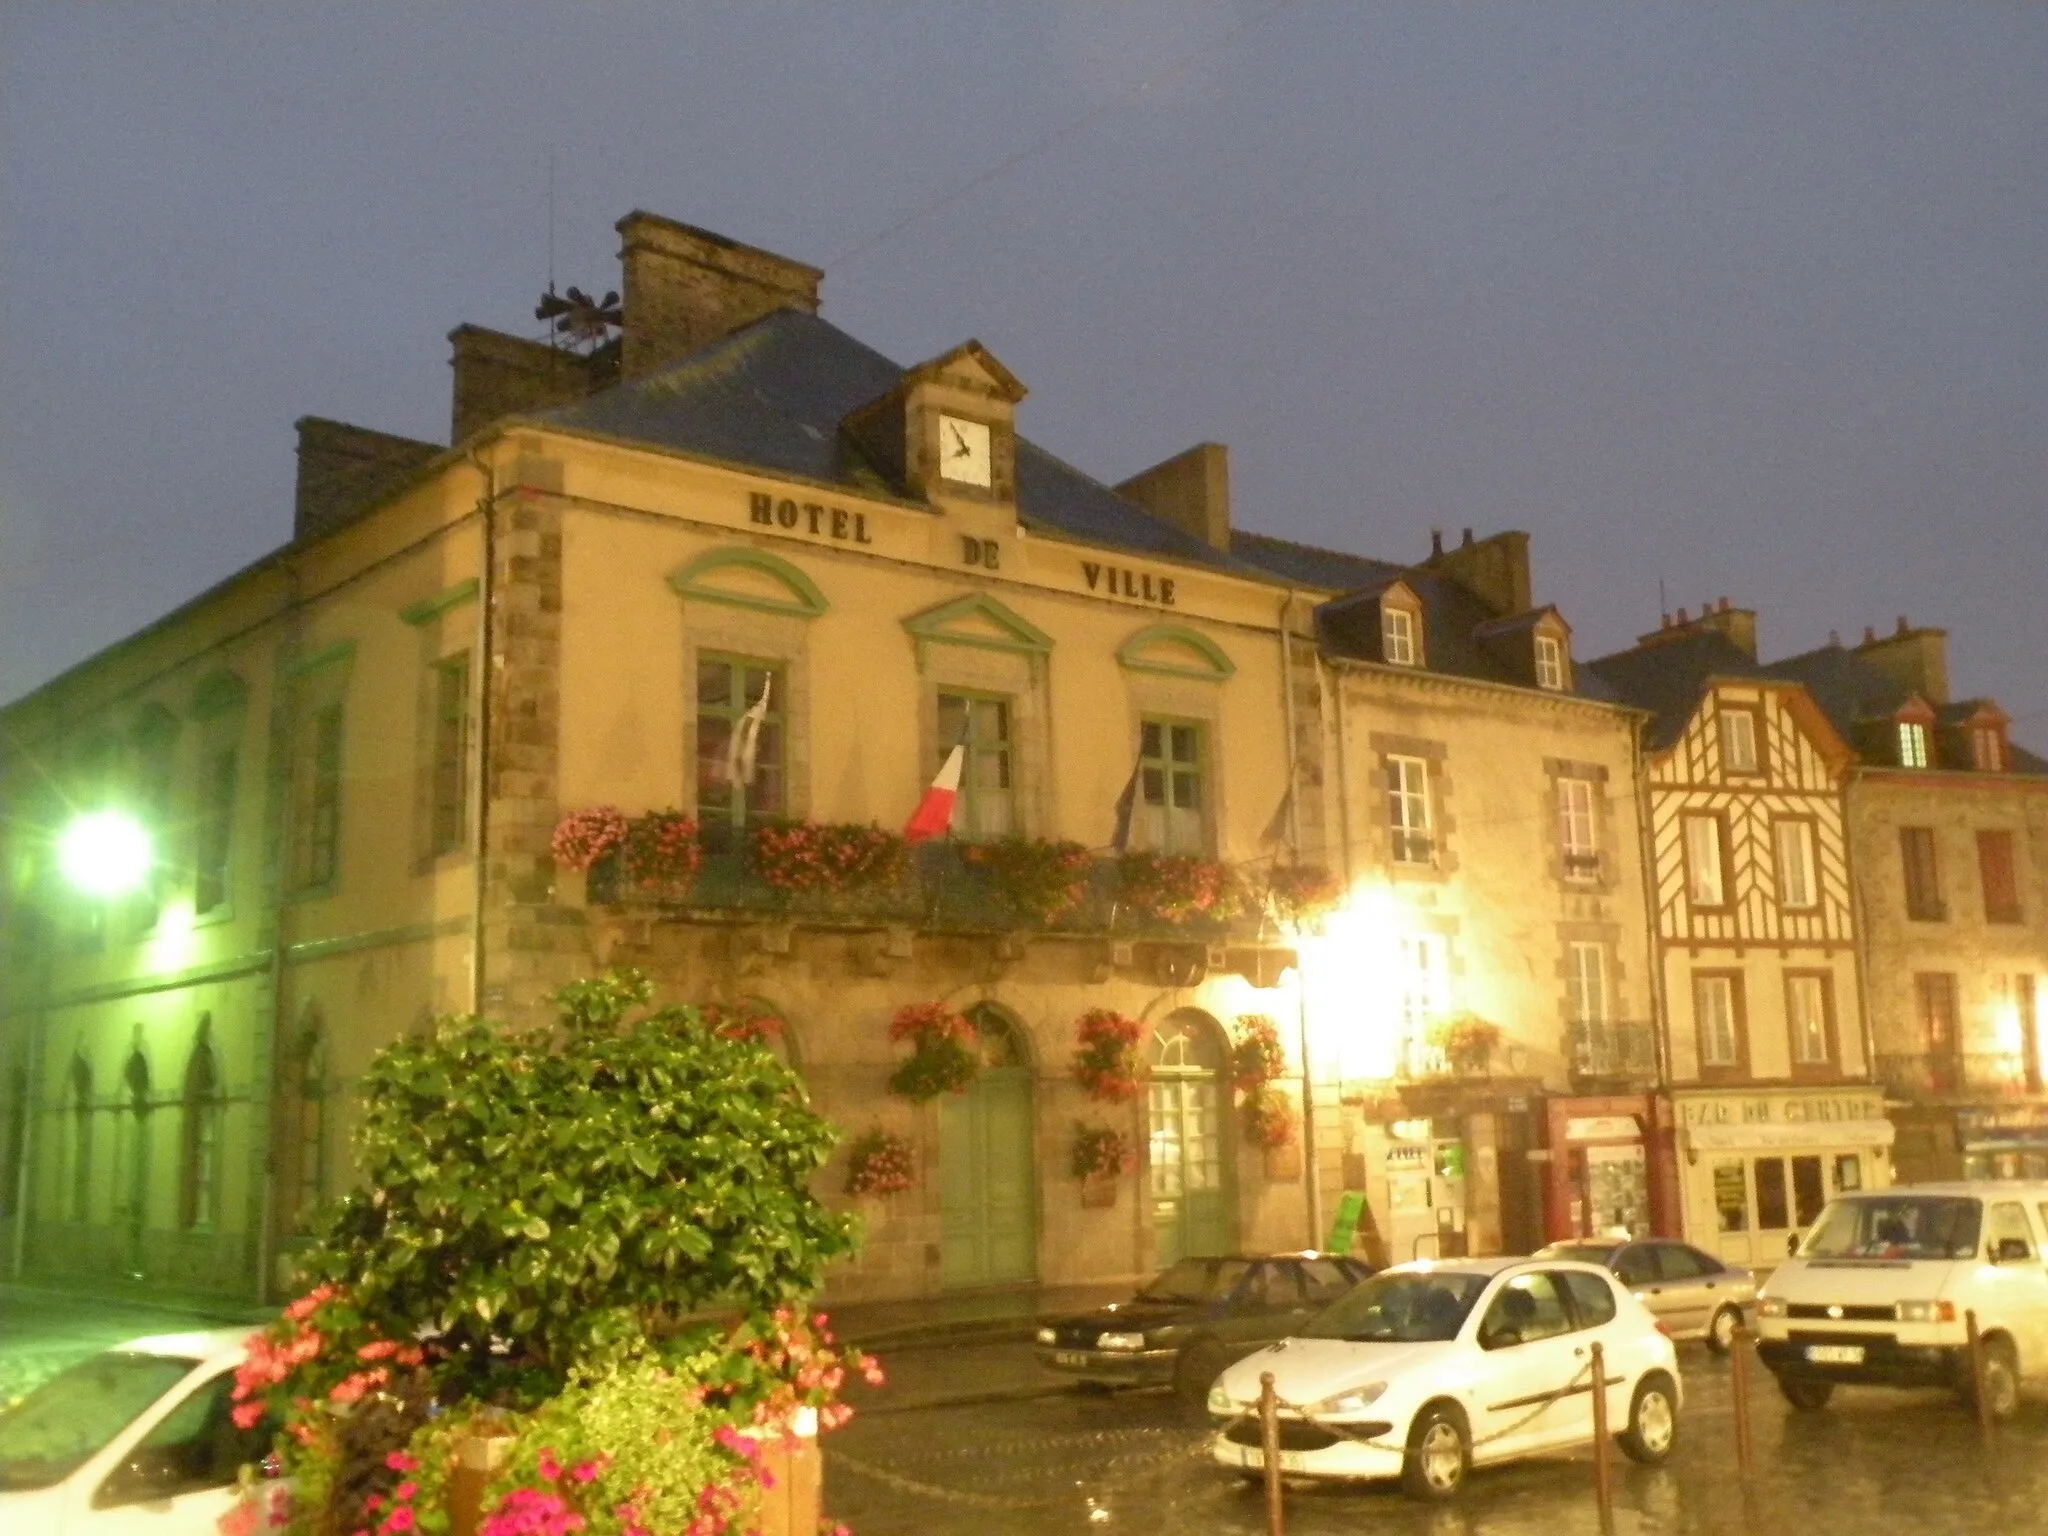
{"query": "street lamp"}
pixel 104 853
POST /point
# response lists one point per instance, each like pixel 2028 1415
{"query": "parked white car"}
pixel 137 1441
pixel 1429 1369
pixel 1880 1291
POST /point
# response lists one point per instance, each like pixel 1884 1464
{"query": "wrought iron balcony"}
pixel 1974 1075
pixel 1616 1049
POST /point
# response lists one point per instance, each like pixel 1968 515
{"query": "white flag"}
pixel 742 752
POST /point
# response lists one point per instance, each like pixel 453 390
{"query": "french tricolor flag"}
pixel 934 812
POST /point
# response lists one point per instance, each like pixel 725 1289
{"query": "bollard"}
pixel 1603 1444
pixel 1269 1443
pixel 1738 1391
pixel 476 1459
pixel 1983 1398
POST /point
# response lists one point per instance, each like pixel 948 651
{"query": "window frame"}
pixel 320 775
pixel 730 821
pixel 1156 822
pixel 1581 858
pixel 1405 839
pixel 1550 664
pixel 1921 876
pixel 1400 635
pixel 1738 1026
pixel 1987 748
pixel 1806 838
pixel 1910 740
pixel 1723 898
pixel 971 794
pixel 2009 909
pixel 213 839
pixel 1752 717
pixel 448 744
pixel 1576 992
pixel 1829 1063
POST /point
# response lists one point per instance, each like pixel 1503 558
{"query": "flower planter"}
pixel 571 888
pixel 793 1504
pixel 1283 1162
pixel 1099 1191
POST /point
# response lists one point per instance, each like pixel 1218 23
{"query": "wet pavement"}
pixel 918 1464
pixel 42 1331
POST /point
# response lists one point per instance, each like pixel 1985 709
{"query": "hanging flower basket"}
pixel 943 1055
pixel 1173 888
pixel 809 858
pixel 583 837
pixel 1300 894
pixel 880 1163
pixel 1100 1152
pixel 661 854
pixel 1269 1121
pixel 1106 1059
pixel 1468 1043
pixel 1040 881
pixel 742 1024
pixel 1256 1056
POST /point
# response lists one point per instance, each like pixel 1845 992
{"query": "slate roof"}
pixel 772 396
pixel 1669 677
pixel 1851 692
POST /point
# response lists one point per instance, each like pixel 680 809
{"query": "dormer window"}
pixel 1738 741
pixel 1397 637
pixel 1912 744
pixel 1987 748
pixel 1549 662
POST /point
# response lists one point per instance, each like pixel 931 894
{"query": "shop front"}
pixel 1605 1168
pixel 1757 1165
pixel 2008 1142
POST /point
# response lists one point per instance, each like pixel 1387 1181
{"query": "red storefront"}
pixel 1607 1165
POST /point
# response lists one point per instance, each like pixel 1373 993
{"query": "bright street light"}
pixel 104 853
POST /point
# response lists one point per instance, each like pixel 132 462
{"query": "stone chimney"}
pixel 686 287
pixel 497 375
pixel 1495 570
pixel 345 470
pixel 1916 659
pixel 1191 491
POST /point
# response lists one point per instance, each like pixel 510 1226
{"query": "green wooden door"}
pixel 988 1202
pixel 1192 1196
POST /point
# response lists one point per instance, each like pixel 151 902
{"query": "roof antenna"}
pixel 1663 602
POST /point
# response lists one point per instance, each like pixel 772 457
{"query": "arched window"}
pixel 131 1157
pixel 199 1146
pixel 79 1195
pixel 17 1131
pixel 1001 1039
pixel 308 1150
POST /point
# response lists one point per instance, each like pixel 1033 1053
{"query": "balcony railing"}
pixel 1958 1075
pixel 942 892
pixel 1612 1048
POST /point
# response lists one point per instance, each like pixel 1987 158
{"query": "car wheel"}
pixel 1652 1421
pixel 1806 1396
pixel 2001 1380
pixel 1200 1363
pixel 1439 1454
pixel 1721 1330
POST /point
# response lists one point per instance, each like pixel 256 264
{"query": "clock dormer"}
pixel 948 430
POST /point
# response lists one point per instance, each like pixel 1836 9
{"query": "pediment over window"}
pixel 1176 651
pixel 980 621
pixel 749 578
pixel 218 693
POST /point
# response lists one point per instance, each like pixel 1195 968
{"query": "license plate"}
pixel 1069 1357
pixel 1835 1354
pixel 1290 1461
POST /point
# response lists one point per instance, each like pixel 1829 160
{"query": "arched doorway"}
pixel 1192 1187
pixel 988 1192
pixel 131 1163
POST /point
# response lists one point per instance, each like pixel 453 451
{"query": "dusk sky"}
pixel 1752 299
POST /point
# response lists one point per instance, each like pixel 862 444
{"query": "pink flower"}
pixel 374 1503
pixel 583 1471
pixel 398 1461
pixel 401 1520
pixel 404 1492
pixel 245 1415
pixel 238 1520
pixel 550 1468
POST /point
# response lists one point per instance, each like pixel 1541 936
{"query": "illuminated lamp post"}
pixel 101 855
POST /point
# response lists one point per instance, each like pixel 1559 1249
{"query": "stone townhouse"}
pixel 1948 828
pixel 1772 1105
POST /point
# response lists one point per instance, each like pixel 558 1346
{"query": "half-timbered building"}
pixel 1772 1106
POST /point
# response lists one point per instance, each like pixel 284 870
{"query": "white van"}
pixel 1879 1293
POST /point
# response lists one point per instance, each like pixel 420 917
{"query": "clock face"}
pixel 964 451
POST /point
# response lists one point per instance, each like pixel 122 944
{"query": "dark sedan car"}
pixel 1195 1319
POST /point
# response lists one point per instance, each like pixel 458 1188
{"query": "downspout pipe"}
pixel 1660 1007
pixel 1311 1175
pixel 486 679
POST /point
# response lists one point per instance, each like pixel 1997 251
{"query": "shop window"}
pixel 1773 1213
pixel 1848 1173
pixel 1809 1191
pixel 1731 1197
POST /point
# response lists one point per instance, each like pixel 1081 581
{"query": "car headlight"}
pixel 1770 1306
pixel 1047 1336
pixel 1220 1403
pixel 1927 1311
pixel 1120 1341
pixel 1357 1400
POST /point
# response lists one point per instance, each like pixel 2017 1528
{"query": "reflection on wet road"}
pixel 1873 1462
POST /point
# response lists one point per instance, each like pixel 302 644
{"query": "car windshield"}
pixel 1897 1227
pixel 1582 1253
pixel 59 1426
pixel 1411 1308
pixel 1196 1280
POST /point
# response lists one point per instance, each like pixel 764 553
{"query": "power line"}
pixel 1058 135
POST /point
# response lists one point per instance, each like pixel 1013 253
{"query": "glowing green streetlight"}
pixel 105 853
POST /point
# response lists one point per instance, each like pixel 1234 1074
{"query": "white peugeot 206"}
pixel 137 1441
pixel 1429 1369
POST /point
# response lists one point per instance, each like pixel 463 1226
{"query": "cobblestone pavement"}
pixel 43 1331
pixel 1872 1462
